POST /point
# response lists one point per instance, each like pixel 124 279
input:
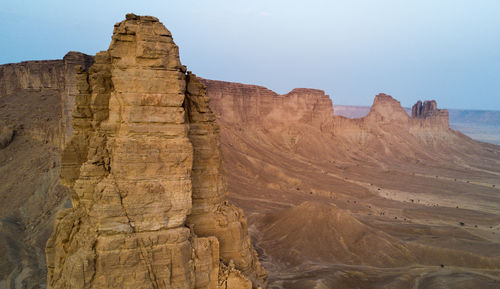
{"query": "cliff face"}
pixel 372 168
pixel 50 83
pixel 146 176
pixel 31 75
pixel 32 132
pixel 429 116
pixel 145 172
pixel 388 116
pixel 386 110
pixel 257 105
pixel 303 121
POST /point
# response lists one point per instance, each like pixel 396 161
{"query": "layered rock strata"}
pixel 144 168
pixel 50 80
pixel 32 134
pixel 211 214
pixel 429 115
pixel 251 104
pixel 306 121
pixel 386 109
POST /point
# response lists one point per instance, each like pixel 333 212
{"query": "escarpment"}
pixel 257 105
pixel 33 130
pixel 303 119
pixel 429 115
pixel 146 177
pixel 253 106
pixel 46 90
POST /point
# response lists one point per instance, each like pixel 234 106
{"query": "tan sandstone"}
pixel 145 155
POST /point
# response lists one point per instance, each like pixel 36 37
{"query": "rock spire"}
pixel 425 109
pixel 146 176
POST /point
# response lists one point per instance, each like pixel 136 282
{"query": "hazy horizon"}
pixel 447 51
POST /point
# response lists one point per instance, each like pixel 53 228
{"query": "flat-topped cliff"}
pixel 303 120
pixel 36 100
pixel 404 189
pixel 429 115
pixel 50 85
pixel 251 104
pixel 386 110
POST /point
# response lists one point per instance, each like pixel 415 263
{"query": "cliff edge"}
pixel 146 178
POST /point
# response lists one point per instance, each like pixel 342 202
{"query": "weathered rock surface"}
pixel 372 168
pixel 386 109
pixel 32 95
pixel 303 121
pixel 50 82
pixel 144 156
pixel 251 104
pixel 211 214
pixel 6 135
pixel 429 115
pixel 428 108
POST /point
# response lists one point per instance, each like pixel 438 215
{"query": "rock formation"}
pixel 386 109
pixel 139 114
pixel 32 134
pixel 6 135
pixel 303 121
pixel 251 104
pixel 428 108
pixel 429 115
pixel 51 80
pixel 279 160
pixel 146 176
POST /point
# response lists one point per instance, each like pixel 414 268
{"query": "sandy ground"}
pixel 367 220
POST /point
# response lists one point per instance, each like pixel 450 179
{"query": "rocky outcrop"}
pixel 50 83
pixel 145 171
pixel 71 60
pixel 295 120
pixel 257 105
pixel 235 103
pixel 31 75
pixel 386 109
pixel 32 95
pixel 211 214
pixel 429 115
pixel 428 108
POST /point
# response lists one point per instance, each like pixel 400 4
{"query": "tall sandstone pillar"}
pixel 144 155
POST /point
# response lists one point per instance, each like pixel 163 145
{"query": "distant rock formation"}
pixel 34 101
pixel 428 108
pixel 251 104
pixel 303 121
pixel 238 103
pixel 113 105
pixel 145 171
pixel 430 114
pixel 46 79
pixel 386 109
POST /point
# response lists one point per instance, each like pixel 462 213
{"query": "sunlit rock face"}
pixel 258 106
pixel 144 169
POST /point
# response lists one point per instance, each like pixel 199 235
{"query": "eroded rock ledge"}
pixel 428 113
pixel 145 171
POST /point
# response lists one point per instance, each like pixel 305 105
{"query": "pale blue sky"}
pixel 448 50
